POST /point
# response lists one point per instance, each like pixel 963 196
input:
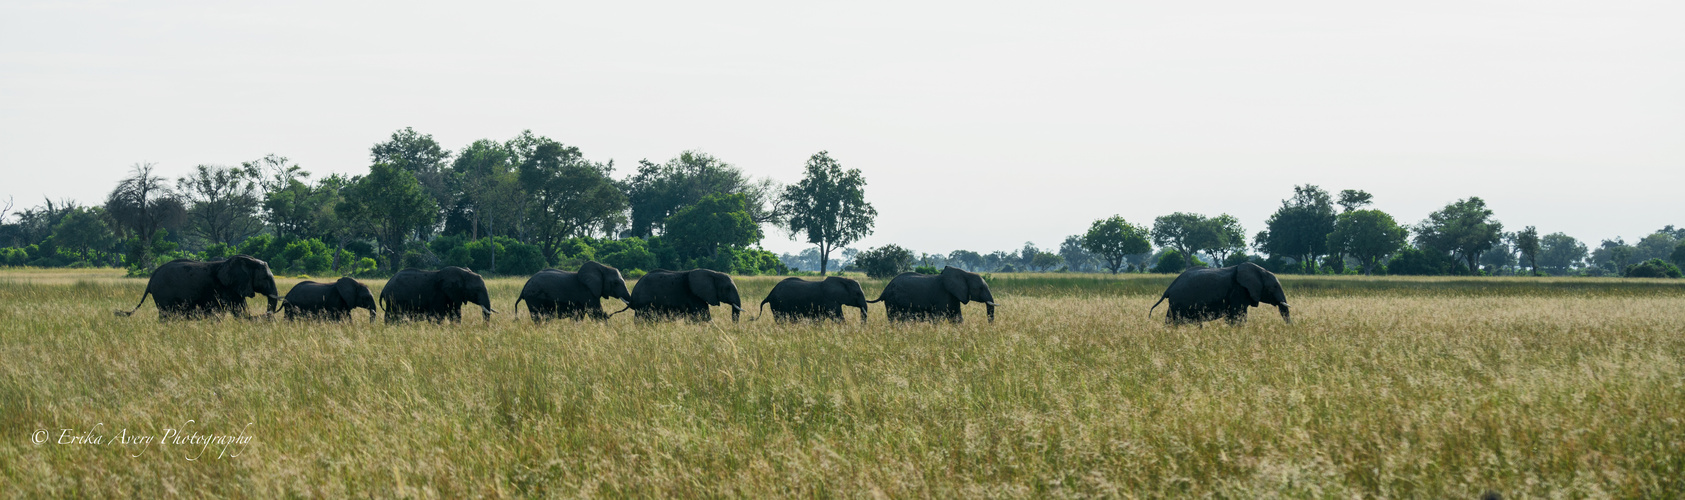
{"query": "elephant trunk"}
pixel 274 302
pixel 991 307
pixel 1286 315
pixel 371 316
pixel 735 311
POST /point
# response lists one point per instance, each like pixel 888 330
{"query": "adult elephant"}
pixel 796 298
pixel 1202 294
pixel 664 294
pixel 914 296
pixel 186 288
pixel 551 293
pixel 434 295
pixel 332 301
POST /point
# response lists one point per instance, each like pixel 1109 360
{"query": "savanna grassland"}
pixel 1382 387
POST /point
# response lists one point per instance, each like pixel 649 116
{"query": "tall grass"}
pixel 1382 387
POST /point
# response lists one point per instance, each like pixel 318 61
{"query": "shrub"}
pixel 1653 268
pixel 934 270
pixel 885 261
pixel 629 253
pixel 1171 262
pixel 1415 262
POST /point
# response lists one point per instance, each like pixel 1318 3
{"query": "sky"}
pixel 978 126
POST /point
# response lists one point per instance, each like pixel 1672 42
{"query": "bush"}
pixel 13 257
pixel 629 253
pixel 1653 268
pixel 1415 262
pixel 934 270
pixel 885 261
pixel 1171 262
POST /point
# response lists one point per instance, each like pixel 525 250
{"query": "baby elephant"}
pixel 333 301
pixel 795 298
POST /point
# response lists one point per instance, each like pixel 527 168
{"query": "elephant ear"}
pixel 594 278
pixel 237 273
pixel 702 284
pixel 953 280
pixel 1251 277
pixel 347 288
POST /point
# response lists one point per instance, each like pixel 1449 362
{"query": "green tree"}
pixel 490 187
pixel 829 206
pixel 390 205
pixel 1113 239
pixel 222 204
pixel 1353 199
pixel 423 158
pixel 658 190
pixel 1299 229
pixel 1560 253
pixel 717 221
pixel 1657 245
pixel 885 261
pixel 84 231
pixel 1225 238
pixel 1185 232
pixel 286 200
pixel 1463 228
pixel 143 204
pixel 1527 242
pixel 569 196
pixel 1367 235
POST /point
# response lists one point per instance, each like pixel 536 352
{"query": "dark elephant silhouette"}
pixel 664 294
pixel 796 298
pixel 553 293
pixel 928 297
pixel 186 288
pixel 1203 294
pixel 434 295
pixel 332 301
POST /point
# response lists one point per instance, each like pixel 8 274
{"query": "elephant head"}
pixel 355 295
pixel 967 287
pixel 715 287
pixel 247 277
pixel 604 281
pixel 848 292
pixel 1262 287
pixel 462 285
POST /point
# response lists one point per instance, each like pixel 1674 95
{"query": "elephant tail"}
pixel 517 306
pixel 143 295
pixel 623 309
pixel 762 310
pixel 877 300
pixel 1155 305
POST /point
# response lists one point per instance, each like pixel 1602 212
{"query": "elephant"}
pixel 434 295
pixel 186 288
pixel 1202 294
pixel 551 292
pixel 332 301
pixel 664 294
pixel 795 298
pixel 914 296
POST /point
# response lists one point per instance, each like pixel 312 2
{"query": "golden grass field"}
pixel 1382 387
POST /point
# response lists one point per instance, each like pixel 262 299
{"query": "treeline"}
pixel 510 207
pixel 1315 232
pixel 516 206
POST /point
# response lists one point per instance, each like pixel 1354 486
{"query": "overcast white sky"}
pixel 977 126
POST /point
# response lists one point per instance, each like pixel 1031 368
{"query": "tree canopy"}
pixel 829 206
pixel 1113 239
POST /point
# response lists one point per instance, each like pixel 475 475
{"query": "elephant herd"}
pixel 191 289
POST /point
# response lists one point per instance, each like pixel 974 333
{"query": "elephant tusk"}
pixel 734 307
pixel 989 303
